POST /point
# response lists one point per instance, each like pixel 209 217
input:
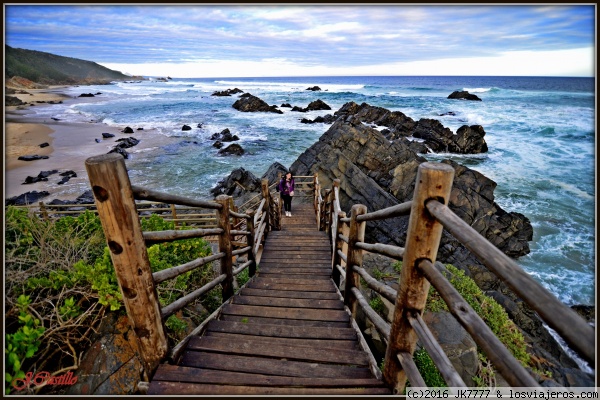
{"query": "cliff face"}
pixel 380 173
pixel 51 69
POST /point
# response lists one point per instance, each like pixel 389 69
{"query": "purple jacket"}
pixel 286 187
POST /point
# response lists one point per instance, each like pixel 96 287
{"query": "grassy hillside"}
pixel 50 69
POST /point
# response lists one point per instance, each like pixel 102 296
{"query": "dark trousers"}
pixel 287 202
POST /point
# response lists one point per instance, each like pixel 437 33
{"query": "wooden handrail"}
pixel 133 270
pixel 576 332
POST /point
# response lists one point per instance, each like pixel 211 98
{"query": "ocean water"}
pixel 540 134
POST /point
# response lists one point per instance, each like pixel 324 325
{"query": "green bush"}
pixel 487 308
pixel 61 270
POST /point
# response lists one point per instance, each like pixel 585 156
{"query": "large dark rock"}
pixel 106 135
pixel 463 95
pixel 12 101
pixel 33 158
pixel 313 106
pixel 436 137
pixel 224 136
pixel 233 149
pixel 314 88
pixel 237 184
pixel 127 129
pixel 250 103
pixel 26 198
pixel 272 174
pixel 227 92
pixel 126 143
pixel 42 177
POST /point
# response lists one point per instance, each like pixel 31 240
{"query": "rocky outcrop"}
pixel 111 366
pixel 463 95
pixel 26 198
pixel 225 136
pixel 435 137
pixel 314 88
pixel 227 92
pixel 233 149
pixel 316 105
pixel 186 128
pixel 12 101
pixel 124 143
pixel 237 184
pixel 41 177
pixel 33 158
pixel 250 103
pixel 127 129
pixel 327 119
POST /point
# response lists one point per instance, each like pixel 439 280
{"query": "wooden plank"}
pixel 271 366
pixel 286 322
pixel 307 332
pixel 248 291
pixel 267 268
pixel 322 344
pixel 176 373
pixel 316 278
pixel 289 303
pixel 200 389
pixel 303 255
pixel 269 284
pixel 300 282
pixel 283 313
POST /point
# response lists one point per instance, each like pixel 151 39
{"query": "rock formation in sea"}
pixel 463 95
pixel 434 136
pixel 250 103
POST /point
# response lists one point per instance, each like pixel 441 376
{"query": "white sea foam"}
pixel 477 90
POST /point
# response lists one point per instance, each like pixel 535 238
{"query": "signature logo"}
pixel 43 378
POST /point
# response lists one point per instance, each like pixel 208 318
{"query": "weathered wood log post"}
pixel 434 181
pixel 338 246
pixel 43 211
pixel 250 240
pixel 315 190
pixel 118 215
pixel 354 255
pixel 325 217
pixel 174 214
pixel 225 245
pixel 264 187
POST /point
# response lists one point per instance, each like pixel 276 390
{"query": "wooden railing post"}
pixel 225 246
pixel 264 186
pixel 250 240
pixel 118 215
pixel 315 190
pixel 337 246
pixel 434 181
pixel 174 214
pixel 43 211
pixel 354 255
pixel 325 217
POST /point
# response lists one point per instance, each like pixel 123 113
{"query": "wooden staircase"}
pixel 285 333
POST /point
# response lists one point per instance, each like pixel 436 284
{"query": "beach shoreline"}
pixel 69 145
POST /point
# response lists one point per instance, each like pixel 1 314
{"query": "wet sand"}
pixel 70 144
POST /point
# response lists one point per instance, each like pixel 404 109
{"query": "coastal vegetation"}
pixel 60 283
pixel 51 69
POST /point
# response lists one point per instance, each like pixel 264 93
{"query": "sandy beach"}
pixel 70 144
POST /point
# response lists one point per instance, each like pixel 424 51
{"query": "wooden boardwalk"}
pixel 285 333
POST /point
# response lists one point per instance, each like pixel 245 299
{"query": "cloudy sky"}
pixel 312 40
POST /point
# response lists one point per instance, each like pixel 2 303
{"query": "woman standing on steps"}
pixel 286 190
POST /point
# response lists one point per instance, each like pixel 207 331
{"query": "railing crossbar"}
pixel 148 194
pixel 398 210
pixel 503 360
pixel 187 299
pixel 576 332
pixel 435 351
pixel 172 235
pixel 173 272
